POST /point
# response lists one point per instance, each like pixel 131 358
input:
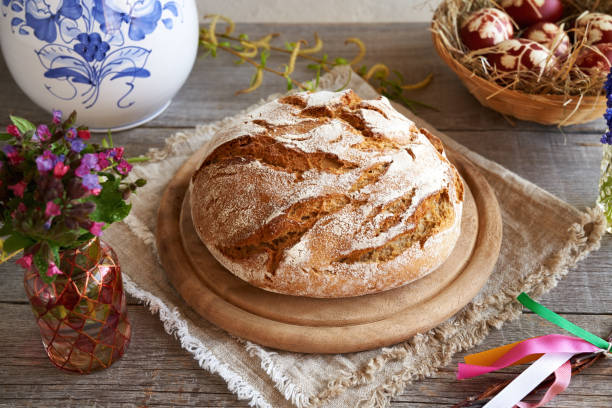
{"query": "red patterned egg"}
pixel 599 28
pixel 529 12
pixel 522 55
pixel 551 36
pixel 596 61
pixel 485 28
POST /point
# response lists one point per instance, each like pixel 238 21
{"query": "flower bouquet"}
pixel 605 183
pixel 57 194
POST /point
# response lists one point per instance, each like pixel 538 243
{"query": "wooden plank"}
pixel 209 94
pixel 586 290
pixel 173 377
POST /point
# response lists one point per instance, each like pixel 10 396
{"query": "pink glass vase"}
pixel 82 315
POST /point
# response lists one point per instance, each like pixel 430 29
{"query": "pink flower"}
pixel 16 159
pixel 13 131
pixel 21 208
pixel 116 153
pixel 82 170
pixel 103 160
pixel 96 228
pixel 60 169
pixel 71 134
pixel 52 209
pixel 13 154
pixel 18 188
pixel 25 261
pixel 84 134
pixel 124 167
pixel 53 270
pixel 42 133
pixel 57 116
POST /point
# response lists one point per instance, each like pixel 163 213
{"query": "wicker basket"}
pixel 544 109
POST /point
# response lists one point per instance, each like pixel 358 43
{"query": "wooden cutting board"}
pixel 312 325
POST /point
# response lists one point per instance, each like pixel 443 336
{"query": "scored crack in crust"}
pixel 327 195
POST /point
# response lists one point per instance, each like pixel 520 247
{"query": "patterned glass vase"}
pixel 82 315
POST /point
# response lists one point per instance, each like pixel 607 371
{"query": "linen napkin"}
pixel 542 237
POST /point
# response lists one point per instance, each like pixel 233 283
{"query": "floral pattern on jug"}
pixel 86 41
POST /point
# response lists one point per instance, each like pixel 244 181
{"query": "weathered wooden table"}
pixel 157 372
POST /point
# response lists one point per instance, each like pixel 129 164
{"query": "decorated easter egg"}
pixel 551 36
pixel 522 55
pixel 597 59
pixel 485 28
pixel 599 28
pixel 529 12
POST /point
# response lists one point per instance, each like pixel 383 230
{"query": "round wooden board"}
pixel 312 325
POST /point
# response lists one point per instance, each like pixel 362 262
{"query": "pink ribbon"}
pixel 563 375
pixel 552 343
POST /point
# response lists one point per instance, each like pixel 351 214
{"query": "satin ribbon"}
pixel 553 343
pixel 565 324
pixel 522 385
pixel 551 354
pixel 563 376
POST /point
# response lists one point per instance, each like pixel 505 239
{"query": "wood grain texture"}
pixel 566 164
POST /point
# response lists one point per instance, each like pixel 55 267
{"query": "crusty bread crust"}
pixel 327 195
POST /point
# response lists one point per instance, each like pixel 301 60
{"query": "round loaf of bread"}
pixel 327 195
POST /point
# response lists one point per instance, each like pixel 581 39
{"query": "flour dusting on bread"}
pixel 327 195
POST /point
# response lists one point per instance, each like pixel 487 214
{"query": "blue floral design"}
pixel 142 18
pixel 86 44
pixel 91 47
pixel 44 20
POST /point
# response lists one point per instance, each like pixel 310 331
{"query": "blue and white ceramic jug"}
pixel 118 63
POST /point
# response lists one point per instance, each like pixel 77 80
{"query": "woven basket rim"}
pixel 496 89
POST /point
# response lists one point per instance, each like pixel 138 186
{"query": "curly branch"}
pixel 382 69
pixel 362 49
pixel 255 83
pixel 314 49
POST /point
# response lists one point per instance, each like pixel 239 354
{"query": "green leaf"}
pixel 68 123
pixel 16 242
pixel 313 67
pixel 6 230
pixel 5 136
pixel 340 61
pixel 140 182
pixel 41 262
pixel 54 248
pixel 289 84
pixel 264 57
pixel 289 46
pixel 224 43
pixel 139 159
pixel 244 37
pixel 110 206
pixel 22 124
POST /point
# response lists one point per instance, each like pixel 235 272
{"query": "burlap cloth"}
pixel 543 237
